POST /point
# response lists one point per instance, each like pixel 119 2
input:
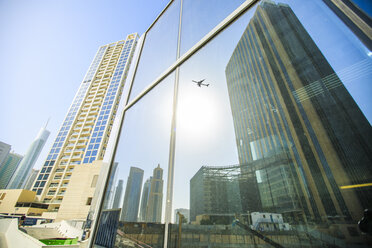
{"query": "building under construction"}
pixel 266 184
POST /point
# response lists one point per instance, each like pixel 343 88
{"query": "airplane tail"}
pixel 207 85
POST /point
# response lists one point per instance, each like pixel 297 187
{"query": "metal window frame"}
pixel 126 104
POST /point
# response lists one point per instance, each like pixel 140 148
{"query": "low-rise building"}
pixel 20 202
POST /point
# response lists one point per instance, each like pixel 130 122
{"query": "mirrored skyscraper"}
pixel 129 212
pixel 300 135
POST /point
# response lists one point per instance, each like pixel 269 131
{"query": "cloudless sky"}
pixel 46 47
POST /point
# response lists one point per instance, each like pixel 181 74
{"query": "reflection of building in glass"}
pixel 152 197
pixel 215 190
pixel 118 193
pixel 132 196
pixel 357 20
pixel 109 198
pixel 31 179
pixel 185 212
pixel 154 204
pixel 8 167
pixel 24 168
pixel 85 131
pixel 144 199
pixel 287 101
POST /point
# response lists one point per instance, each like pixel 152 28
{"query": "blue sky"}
pixel 46 48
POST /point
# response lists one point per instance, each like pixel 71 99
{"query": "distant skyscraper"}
pixel 155 201
pixel 8 168
pixel 24 168
pixel 129 212
pixel 109 199
pixel 118 193
pixel 297 127
pixel 85 132
pixel 184 211
pixel 145 199
pixel 31 179
pixel 4 151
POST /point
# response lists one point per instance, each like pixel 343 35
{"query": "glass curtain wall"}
pixel 259 137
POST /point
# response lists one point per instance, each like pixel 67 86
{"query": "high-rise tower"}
pixel 8 167
pixel 155 201
pixel 118 192
pixel 145 199
pixel 129 212
pixel 85 131
pixel 298 130
pixel 24 168
pixel 4 151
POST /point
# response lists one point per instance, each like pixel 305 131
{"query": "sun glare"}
pixel 198 118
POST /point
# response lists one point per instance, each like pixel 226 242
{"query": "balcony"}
pixel 64 185
pixel 61 193
pixel 57 177
pixel 59 170
pixel 53 185
pixel 81 144
pixel 51 193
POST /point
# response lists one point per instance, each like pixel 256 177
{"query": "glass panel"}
pixel 200 17
pixel 272 134
pixel 159 50
pixel 136 191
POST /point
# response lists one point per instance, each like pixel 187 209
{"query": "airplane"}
pixel 200 83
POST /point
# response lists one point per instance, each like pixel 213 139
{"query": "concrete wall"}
pixel 74 204
pixel 69 231
pixel 14 238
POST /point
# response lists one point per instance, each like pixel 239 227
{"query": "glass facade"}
pixel 262 132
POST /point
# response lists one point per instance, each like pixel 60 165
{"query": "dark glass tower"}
pixel 297 127
pixel 129 212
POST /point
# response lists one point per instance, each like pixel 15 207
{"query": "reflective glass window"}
pixel 159 50
pixel 200 17
pixel 137 184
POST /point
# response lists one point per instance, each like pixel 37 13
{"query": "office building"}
pixel 145 199
pixel 129 211
pixel 155 200
pixel 31 179
pixel 4 151
pixel 24 168
pixel 215 190
pixel 8 167
pixel 287 103
pixel 118 192
pixel 84 133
